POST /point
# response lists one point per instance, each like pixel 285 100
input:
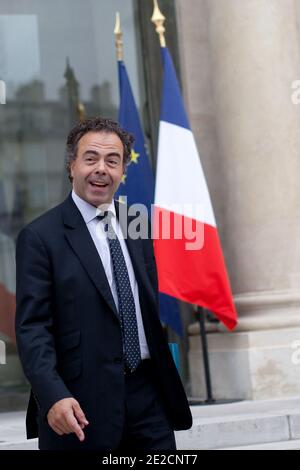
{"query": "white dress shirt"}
pixel 96 229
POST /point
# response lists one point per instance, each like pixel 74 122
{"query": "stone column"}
pixel 252 49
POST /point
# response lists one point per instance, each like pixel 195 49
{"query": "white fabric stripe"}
pixel 180 181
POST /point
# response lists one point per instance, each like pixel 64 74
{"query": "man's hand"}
pixel 66 416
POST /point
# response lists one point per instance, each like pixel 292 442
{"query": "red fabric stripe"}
pixel 195 276
pixel 7 312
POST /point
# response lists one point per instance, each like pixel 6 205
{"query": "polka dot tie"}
pixel 125 297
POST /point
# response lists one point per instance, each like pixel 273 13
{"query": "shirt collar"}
pixel 88 211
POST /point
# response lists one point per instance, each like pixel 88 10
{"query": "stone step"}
pixel 268 424
pixel 284 445
pixel 242 424
pixel 31 444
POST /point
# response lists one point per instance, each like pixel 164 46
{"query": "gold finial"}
pixel 119 37
pixel 158 19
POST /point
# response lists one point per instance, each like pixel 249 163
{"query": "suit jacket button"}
pixel 118 360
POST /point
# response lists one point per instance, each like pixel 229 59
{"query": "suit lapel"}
pixel 83 246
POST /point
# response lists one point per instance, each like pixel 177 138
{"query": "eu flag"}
pixel 138 183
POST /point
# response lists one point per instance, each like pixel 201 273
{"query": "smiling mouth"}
pixel 98 185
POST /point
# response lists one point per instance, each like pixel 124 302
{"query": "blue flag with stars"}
pixel 138 183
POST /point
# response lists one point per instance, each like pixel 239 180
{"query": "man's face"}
pixel 98 168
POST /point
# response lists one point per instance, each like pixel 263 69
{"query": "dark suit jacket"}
pixel 68 332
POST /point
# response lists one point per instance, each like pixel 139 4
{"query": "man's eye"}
pixel 112 162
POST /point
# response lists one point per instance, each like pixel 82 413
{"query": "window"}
pixel 52 55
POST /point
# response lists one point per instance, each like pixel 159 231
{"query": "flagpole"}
pixel 159 19
pixel 119 38
pixel 200 318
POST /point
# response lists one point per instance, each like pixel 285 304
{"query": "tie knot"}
pixel 105 217
pixel 102 215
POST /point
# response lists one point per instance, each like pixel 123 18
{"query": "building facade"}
pixel 237 62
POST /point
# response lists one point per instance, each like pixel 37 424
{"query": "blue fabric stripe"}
pixel 139 183
pixel 172 107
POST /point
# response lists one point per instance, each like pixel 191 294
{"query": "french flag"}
pixel 187 247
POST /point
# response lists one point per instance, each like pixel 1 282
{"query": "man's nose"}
pixel 101 167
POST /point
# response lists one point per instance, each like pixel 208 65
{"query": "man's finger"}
pixel 73 426
pixel 80 414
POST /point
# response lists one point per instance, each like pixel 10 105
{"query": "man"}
pixel 87 323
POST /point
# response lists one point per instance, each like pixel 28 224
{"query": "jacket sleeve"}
pixel 34 321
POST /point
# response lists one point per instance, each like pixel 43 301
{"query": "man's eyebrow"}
pixel 110 154
pixel 114 154
pixel 93 152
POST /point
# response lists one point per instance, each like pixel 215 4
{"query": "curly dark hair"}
pixel 96 124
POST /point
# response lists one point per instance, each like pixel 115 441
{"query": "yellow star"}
pixel 134 156
pixel 123 180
